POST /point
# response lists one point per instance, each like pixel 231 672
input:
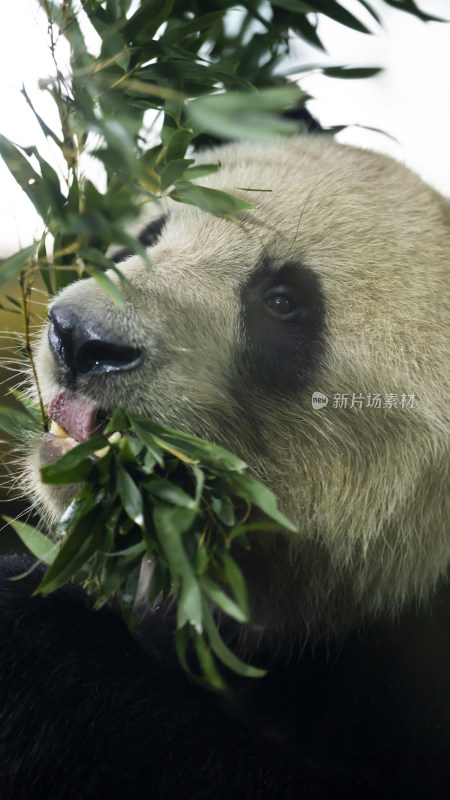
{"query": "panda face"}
pixel 333 283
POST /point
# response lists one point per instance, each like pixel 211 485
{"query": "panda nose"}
pixel 83 348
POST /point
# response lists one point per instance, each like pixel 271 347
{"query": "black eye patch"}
pixel 148 237
pixel 282 327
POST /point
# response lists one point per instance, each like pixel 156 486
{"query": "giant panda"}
pixel 309 338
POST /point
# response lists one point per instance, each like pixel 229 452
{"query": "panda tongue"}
pixel 75 414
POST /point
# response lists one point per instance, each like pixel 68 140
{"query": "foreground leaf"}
pixel 178 508
pixel 38 544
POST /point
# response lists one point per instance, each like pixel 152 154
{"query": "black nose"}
pixel 83 348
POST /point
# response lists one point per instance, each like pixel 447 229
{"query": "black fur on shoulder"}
pixel 85 713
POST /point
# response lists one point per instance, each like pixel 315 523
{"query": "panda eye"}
pixel 281 303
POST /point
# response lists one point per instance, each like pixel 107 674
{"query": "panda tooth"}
pixel 58 430
pixel 112 439
pixel 102 452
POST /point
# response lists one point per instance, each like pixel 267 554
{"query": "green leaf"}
pixel 159 583
pixel 38 544
pixel 307 31
pixel 199 476
pixel 12 266
pixel 129 553
pixel 412 8
pixel 241 115
pixel 239 532
pixel 118 422
pixel 16 422
pixel 171 521
pixel 50 187
pixel 117 569
pixel 221 599
pixel 237 583
pixel 144 23
pixel 44 127
pixel 27 178
pixel 207 663
pixel 371 10
pixel 130 495
pixel 9 309
pixel 191 446
pixel 223 508
pixel 176 33
pixel 189 601
pixel 254 492
pixel 75 465
pixel 107 284
pixel 330 8
pixel 75 511
pixel 82 543
pixel 128 596
pixel 173 171
pixel 211 200
pixel 199 170
pixel 178 144
pixel 144 435
pixel 31 407
pixel 223 652
pixel 171 493
pixel 353 73
pixel 14 302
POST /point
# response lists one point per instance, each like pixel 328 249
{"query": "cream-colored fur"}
pixel 367 487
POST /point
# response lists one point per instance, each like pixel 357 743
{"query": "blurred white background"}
pixel 410 100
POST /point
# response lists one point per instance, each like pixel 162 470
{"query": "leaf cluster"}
pixel 177 501
pixel 204 71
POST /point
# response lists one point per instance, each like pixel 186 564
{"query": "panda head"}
pixel 330 289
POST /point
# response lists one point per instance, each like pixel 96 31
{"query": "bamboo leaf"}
pixel 331 8
pixel 171 493
pixel 82 543
pixel 14 264
pixel 129 494
pixel 352 73
pixel 75 465
pixel 178 144
pixel 211 200
pixel 16 422
pixel 237 115
pixel 261 496
pixel 173 171
pixel 223 652
pixel 107 284
pixel 221 599
pixel 37 543
pixel 207 664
